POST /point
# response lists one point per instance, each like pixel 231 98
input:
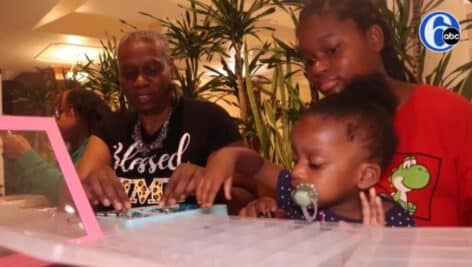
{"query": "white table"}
pixel 223 241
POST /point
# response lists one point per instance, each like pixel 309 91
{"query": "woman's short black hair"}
pixel 367 106
pixel 89 106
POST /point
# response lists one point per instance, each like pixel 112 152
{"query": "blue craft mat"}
pixel 184 211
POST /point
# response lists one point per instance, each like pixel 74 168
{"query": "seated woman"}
pixel 129 160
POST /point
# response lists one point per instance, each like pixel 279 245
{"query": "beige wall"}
pixel 462 53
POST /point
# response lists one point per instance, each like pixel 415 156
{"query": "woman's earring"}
pixel 306 196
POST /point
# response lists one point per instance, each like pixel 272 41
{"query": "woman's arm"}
pixel 27 171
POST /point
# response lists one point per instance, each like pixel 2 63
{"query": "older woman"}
pixel 131 157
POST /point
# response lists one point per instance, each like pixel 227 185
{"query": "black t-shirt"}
pixel 195 129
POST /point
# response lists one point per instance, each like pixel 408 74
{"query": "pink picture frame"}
pixel 84 209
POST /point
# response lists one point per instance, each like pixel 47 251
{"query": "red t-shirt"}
pixel 431 172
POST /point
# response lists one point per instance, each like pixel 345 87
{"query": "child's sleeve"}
pixel 398 217
pixel 283 190
pixel 36 176
pixel 284 196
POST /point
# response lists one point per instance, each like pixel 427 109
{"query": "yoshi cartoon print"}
pixel 410 181
pixel 409 176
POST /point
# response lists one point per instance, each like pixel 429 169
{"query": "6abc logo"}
pixel 439 31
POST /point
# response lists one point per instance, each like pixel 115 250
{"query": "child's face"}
pixel 335 51
pixel 66 118
pixel 325 157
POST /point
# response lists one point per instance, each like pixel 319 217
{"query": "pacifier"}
pixel 305 195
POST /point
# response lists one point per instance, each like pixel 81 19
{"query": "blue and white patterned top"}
pixel 394 217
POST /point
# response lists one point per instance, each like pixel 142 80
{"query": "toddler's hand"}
pixel 262 207
pixel 209 185
pixel 219 171
pixel 372 209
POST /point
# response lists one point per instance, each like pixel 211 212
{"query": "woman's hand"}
pixel 102 185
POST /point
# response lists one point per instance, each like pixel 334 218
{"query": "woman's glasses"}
pixel 149 70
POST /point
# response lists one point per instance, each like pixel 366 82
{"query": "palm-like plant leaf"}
pixel 103 73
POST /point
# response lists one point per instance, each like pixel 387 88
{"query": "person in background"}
pixel 78 112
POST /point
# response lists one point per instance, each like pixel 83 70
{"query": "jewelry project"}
pixel 143 148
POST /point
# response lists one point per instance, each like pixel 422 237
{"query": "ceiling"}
pixel 29 26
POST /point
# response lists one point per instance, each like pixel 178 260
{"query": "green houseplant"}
pixel 233 21
pixel 269 103
pixel 102 74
